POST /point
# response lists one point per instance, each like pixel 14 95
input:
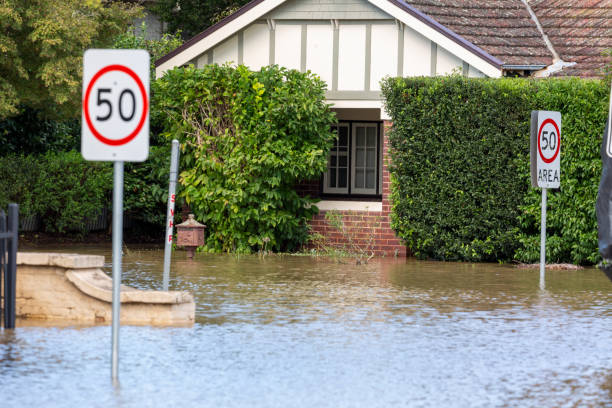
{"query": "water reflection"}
pixel 296 331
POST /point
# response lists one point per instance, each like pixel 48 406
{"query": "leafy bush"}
pixel 30 133
pixel 460 167
pixel 71 190
pixel 18 177
pixel 146 187
pixel 247 138
pixel 571 221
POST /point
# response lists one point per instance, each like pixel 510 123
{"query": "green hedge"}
pixel 65 190
pixel 247 139
pixel 460 167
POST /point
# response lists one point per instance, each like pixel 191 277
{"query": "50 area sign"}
pixel 545 149
pixel 115 115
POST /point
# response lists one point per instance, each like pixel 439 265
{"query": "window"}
pixel 354 163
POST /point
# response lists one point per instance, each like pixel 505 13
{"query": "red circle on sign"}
pixel 547 121
pixel 145 105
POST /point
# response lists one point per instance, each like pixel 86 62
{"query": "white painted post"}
pixel 174 156
pixel 117 241
pixel 543 241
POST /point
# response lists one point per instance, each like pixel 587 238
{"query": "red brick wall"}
pixel 369 231
pixel 309 187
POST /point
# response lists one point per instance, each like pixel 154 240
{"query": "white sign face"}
pixel 545 149
pixel 115 114
pixel 609 147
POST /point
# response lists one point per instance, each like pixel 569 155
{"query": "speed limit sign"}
pixel 115 114
pixel 545 149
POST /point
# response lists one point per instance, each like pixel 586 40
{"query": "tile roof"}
pixel 580 30
pixel 503 28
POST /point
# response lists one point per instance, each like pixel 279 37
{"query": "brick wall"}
pixel 309 187
pixel 369 231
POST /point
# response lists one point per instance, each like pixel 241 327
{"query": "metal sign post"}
pixel 545 155
pixel 174 156
pixel 117 241
pixel 115 127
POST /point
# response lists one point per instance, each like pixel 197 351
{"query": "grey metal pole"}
pixel 11 270
pixel 543 242
pixel 117 241
pixel 174 156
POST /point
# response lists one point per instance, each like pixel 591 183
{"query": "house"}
pixel 353 44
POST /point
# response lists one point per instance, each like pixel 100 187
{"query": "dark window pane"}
pixel 370 179
pixel 332 161
pixel 371 158
pixel 359 157
pixel 342 178
pixel 360 136
pixel 342 161
pixel 359 178
pixel 343 136
pixel 332 178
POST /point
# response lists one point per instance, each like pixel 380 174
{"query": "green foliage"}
pixel 460 167
pixel 247 138
pixel 61 187
pixel 156 48
pixel 41 50
pixel 66 190
pixel 571 221
pixel 19 175
pixel 31 133
pixel 146 187
pixel 193 16
pixel 71 190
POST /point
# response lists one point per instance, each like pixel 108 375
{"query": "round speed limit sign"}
pixel 115 114
pixel 549 140
pixel 545 149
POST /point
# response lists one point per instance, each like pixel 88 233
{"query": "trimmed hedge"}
pixel 460 167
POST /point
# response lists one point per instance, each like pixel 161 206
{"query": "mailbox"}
pixel 190 235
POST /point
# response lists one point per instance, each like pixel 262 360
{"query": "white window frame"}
pixel 355 190
pixel 338 190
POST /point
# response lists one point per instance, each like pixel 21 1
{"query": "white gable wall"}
pixel 320 50
pixel 226 52
pixel 351 57
pixel 327 9
pixel 384 53
pixel 256 52
pixel 351 51
pixel 417 54
pixel 288 45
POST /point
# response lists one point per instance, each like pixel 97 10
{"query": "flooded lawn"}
pixel 296 331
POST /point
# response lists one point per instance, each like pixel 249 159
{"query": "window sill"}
pixel 327 205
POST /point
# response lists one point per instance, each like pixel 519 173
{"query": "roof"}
pixel 580 31
pixel 501 32
pixel 503 28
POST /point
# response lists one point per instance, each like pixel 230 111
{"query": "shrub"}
pixel 146 187
pixel 30 133
pixel 571 222
pixel 247 138
pixel 460 167
pixel 71 190
pixel 18 177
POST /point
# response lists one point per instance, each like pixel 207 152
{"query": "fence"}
pixel 8 261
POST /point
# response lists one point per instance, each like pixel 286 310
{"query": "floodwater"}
pixel 296 331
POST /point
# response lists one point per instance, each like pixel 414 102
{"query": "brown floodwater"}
pixel 298 331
